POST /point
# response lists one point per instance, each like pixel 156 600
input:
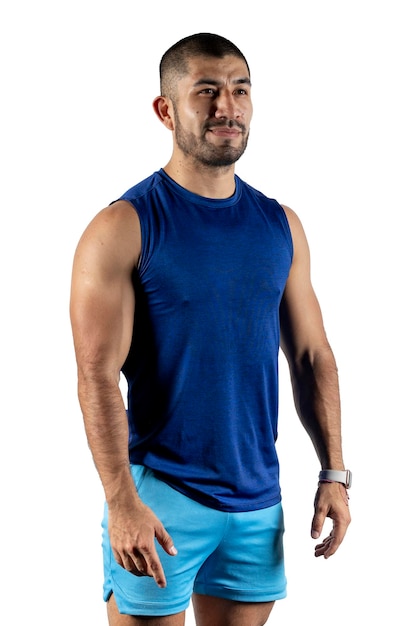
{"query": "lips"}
pixel 225 132
pixel 228 129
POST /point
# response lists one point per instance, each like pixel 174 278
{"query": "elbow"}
pixel 317 359
pixel 95 375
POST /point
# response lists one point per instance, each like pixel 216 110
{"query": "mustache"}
pixel 226 123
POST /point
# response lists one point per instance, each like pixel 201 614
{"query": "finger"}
pixel 330 545
pixel 154 567
pixel 139 562
pixel 165 541
pixel 323 547
pixel 335 539
pixel 133 563
pixel 326 549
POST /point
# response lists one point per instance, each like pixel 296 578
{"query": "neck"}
pixel 203 180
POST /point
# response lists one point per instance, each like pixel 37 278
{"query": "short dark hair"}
pixel 174 62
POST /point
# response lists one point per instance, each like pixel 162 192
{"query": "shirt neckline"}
pixel 211 203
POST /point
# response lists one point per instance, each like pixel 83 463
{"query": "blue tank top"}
pixel 202 371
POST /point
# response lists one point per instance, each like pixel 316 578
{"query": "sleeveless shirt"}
pixel 202 370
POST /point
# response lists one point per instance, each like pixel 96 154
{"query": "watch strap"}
pixel 336 476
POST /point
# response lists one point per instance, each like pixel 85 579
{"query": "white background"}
pixel 335 137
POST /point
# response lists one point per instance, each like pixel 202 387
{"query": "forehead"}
pixel 227 69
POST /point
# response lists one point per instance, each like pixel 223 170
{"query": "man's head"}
pixel 206 99
pixel 175 62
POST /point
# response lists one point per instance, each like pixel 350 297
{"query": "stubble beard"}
pixel 203 152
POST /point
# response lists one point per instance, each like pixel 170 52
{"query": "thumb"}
pixel 317 525
pixel 165 541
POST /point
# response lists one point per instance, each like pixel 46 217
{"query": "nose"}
pixel 227 106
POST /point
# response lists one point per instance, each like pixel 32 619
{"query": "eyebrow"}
pixel 216 83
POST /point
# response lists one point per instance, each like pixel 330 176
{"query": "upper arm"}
pixel 302 330
pixel 102 296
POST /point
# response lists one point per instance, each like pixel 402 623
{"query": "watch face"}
pixel 349 479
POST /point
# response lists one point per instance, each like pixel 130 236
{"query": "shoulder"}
pixel 296 228
pixel 267 203
pixel 119 215
pixel 139 193
pixel 113 235
pixel 292 217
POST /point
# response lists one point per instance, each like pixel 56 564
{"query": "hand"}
pixel 331 500
pixel 132 535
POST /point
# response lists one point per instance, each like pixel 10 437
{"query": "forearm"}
pixel 132 526
pixel 317 401
pixel 107 434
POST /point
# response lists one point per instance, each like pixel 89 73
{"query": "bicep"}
pixel 102 296
pixel 302 329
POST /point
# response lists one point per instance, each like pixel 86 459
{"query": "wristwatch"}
pixel 336 476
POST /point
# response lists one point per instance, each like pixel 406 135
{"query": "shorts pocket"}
pixel 139 473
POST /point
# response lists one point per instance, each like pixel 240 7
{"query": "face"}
pixel 212 111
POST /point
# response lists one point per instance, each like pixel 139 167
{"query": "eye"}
pixel 241 92
pixel 208 91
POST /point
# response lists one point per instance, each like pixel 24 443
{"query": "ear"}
pixel 163 109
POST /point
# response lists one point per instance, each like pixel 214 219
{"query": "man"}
pixel 178 285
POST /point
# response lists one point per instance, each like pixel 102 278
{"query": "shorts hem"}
pixel 145 609
pixel 240 595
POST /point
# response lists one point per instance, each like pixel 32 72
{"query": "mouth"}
pixel 225 131
pixel 228 130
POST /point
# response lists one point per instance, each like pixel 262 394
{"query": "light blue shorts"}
pixel 237 556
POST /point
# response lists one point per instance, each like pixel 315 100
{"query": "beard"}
pixel 204 152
